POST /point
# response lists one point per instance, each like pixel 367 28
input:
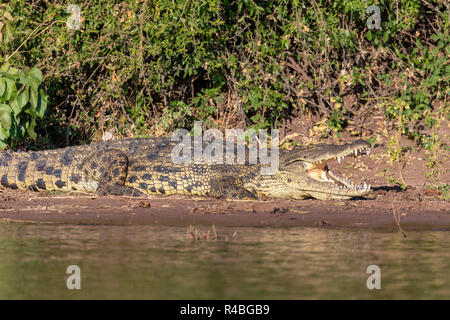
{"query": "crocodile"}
pixel 143 166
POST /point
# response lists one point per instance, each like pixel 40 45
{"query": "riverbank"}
pixel 388 213
pixel 389 206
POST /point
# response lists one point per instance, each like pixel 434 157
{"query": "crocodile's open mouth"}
pixel 319 170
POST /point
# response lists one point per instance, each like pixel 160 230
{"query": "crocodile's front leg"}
pixel 228 188
pixel 107 170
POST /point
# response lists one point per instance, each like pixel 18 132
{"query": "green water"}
pixel 150 262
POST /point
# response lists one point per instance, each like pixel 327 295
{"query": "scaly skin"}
pixel 144 166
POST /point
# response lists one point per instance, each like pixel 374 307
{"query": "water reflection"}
pixel 259 263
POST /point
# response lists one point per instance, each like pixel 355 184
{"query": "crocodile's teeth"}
pixel 339 159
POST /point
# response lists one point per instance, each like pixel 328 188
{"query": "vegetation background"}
pixel 144 68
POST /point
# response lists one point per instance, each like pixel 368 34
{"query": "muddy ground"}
pixel 388 206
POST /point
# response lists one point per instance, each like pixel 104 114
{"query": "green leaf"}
pixel 42 104
pixel 4 133
pixel 35 76
pixel 30 129
pixel 2 86
pixel 4 67
pixel 23 98
pixel 5 108
pixel 15 106
pixel 2 143
pixel 5 119
pixel 25 78
pixel 7 32
pixel 11 89
pixel 33 98
pixel 11 72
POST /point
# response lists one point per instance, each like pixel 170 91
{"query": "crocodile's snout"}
pixel 322 183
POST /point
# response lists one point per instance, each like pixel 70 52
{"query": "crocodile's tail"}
pixel 34 170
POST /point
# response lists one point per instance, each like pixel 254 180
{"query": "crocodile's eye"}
pixel 289 180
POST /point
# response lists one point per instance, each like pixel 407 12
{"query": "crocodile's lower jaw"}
pixel 337 196
pixel 327 176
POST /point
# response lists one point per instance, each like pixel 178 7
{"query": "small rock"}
pixel 280 210
pixel 322 223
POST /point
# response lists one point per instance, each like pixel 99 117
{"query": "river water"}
pixel 154 262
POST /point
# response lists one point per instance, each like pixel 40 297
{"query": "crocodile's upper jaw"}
pixel 321 182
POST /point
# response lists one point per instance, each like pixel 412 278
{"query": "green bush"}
pixel 145 68
pixel 22 99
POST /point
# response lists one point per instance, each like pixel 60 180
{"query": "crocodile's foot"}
pixel 119 190
pixel 227 188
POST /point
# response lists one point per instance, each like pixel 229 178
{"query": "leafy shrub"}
pixel 22 99
pixel 145 68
